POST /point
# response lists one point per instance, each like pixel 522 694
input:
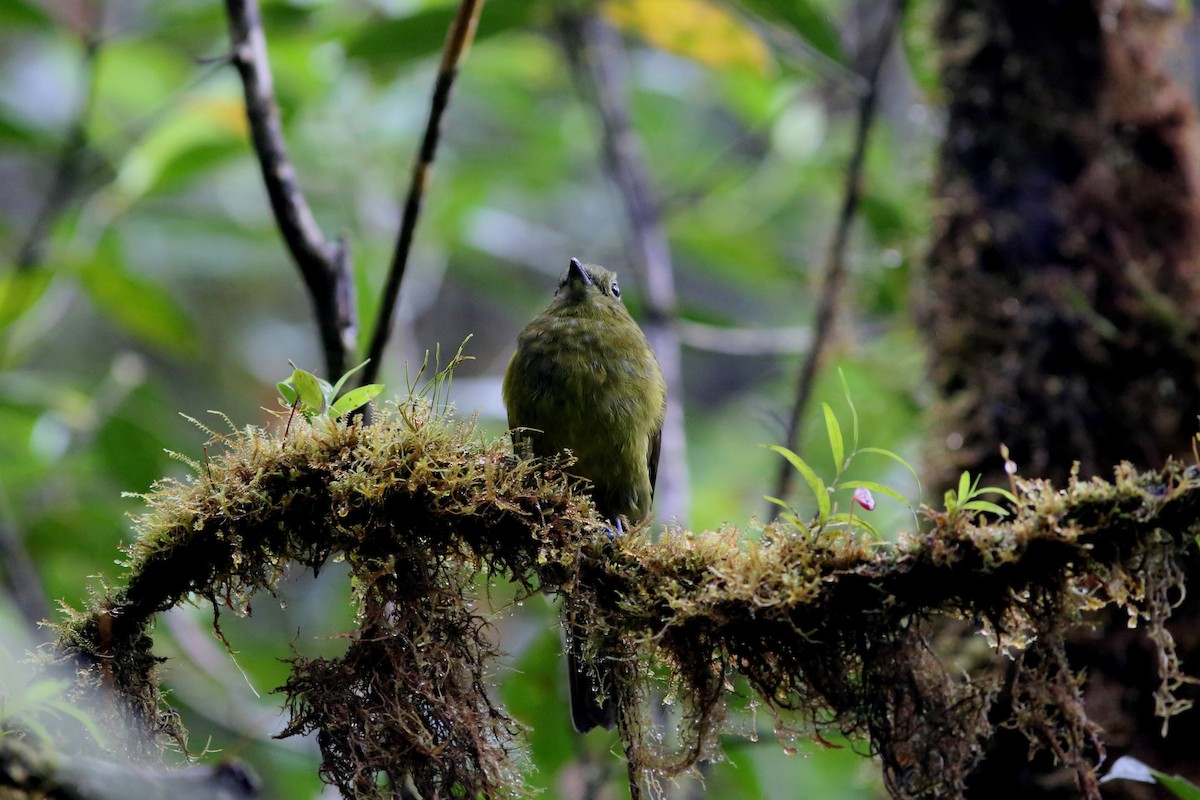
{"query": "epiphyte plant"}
pixel 313 397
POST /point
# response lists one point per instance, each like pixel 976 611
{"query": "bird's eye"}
pixel 614 290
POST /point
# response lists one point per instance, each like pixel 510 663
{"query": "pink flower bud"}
pixel 862 496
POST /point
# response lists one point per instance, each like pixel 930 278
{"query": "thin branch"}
pixel 835 265
pixel 325 266
pixel 594 52
pixel 19 575
pixel 744 341
pixel 70 167
pixel 79 171
pixel 458 42
pixel 17 571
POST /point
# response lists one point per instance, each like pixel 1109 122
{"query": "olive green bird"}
pixel 584 379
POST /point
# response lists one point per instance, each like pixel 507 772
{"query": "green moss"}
pixel 830 632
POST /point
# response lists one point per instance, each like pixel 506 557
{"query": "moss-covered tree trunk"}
pixel 1063 292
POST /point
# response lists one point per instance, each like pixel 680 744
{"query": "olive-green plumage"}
pixel 584 379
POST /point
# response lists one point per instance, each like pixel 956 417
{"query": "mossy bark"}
pixel 1063 290
pixel 826 631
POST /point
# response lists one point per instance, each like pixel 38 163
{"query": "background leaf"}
pixel 697 29
pixel 805 19
pixel 144 309
pixel 386 45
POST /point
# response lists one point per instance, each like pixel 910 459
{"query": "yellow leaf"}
pixel 697 29
pixel 224 112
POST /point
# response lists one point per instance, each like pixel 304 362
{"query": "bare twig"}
pixel 743 341
pixel 70 167
pixel 835 264
pixel 20 577
pixel 62 184
pixel 325 266
pixel 594 52
pixel 79 171
pixel 17 571
pixel 458 42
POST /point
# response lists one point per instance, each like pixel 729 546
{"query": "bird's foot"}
pixel 616 529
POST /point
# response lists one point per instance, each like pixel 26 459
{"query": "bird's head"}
pixel 588 283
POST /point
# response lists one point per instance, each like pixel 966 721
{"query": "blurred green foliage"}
pixel 162 286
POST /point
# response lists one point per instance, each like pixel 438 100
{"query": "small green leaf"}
pixel 807 20
pixel 355 398
pixel 1180 787
pixel 308 389
pixel 814 482
pixel 1005 493
pixel 791 515
pixel 984 505
pixel 879 451
pixel 337 387
pixel 853 410
pixel 835 438
pixel 856 521
pixel 964 487
pixel 777 501
pixel 1128 768
pixel 287 392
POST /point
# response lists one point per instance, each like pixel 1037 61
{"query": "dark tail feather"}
pixel 591 694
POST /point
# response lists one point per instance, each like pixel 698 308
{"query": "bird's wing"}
pixel 652 460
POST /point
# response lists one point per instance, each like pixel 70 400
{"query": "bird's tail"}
pixel 591 689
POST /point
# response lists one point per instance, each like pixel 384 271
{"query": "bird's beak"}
pixel 578 273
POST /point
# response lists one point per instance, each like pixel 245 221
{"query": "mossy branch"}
pixel 828 632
